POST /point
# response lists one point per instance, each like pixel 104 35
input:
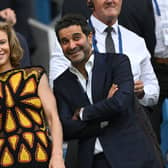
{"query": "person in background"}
pixel 27 106
pixel 138 16
pixel 8 15
pixel 132 17
pixel 160 61
pixel 146 87
pixel 96 103
pixel 105 13
pixel 23 10
pixel 57 64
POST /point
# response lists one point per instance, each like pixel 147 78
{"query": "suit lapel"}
pixel 98 77
pixel 75 88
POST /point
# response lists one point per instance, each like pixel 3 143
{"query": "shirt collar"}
pixel 89 65
pixel 100 26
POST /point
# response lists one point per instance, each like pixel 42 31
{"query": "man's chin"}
pixel 76 58
pixel 76 62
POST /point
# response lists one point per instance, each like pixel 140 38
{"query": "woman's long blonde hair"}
pixel 16 51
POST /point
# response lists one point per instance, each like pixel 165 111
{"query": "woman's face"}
pixel 4 51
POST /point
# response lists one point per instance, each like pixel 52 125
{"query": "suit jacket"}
pixel 138 16
pixel 123 140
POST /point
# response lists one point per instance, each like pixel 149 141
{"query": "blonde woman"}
pixel 25 102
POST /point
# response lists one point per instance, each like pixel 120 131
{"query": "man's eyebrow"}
pixel 76 34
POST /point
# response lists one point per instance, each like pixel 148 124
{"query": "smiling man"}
pixel 96 103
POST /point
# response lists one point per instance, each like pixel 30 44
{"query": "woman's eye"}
pixel 2 42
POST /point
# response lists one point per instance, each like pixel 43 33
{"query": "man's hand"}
pixel 8 15
pixel 139 89
pixel 112 90
pixel 76 114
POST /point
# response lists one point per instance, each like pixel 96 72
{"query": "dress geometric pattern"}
pixel 24 141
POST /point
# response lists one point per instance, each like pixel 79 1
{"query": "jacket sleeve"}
pixel 119 103
pixel 74 129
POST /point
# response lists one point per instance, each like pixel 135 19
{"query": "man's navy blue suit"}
pixel 123 140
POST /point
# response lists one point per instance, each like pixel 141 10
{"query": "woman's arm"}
pixel 50 110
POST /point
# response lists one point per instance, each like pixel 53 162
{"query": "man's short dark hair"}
pixel 70 20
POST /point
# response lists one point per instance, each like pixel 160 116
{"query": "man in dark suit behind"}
pixel 138 16
pixel 95 101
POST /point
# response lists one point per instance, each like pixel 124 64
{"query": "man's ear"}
pixel 90 38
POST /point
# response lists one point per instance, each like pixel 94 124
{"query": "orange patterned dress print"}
pixel 24 142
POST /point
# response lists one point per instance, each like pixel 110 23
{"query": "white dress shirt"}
pixel 134 47
pixel 161 28
pixel 58 62
pixel 87 87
